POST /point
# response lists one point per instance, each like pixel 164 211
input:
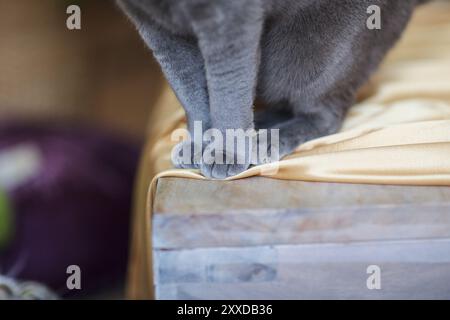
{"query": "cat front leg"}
pixel 229 35
pixel 183 66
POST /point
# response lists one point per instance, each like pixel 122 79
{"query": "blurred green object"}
pixel 6 221
pixel 11 289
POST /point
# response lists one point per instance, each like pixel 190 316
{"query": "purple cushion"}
pixel 75 210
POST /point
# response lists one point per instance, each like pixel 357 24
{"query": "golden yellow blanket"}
pixel 399 133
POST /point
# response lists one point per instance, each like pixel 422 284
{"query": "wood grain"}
pixel 260 211
pixel 269 239
pixel 409 270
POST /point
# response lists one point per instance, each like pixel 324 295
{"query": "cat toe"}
pixel 186 166
pixel 214 171
pixel 181 162
pixel 222 171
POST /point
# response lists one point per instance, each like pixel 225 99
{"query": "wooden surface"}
pixel 272 239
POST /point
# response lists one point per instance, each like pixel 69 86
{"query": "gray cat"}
pixel 304 59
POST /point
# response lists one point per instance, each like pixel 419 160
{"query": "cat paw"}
pixel 181 162
pixel 222 171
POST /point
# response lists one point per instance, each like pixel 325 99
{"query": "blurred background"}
pixel 74 109
pixel 101 75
